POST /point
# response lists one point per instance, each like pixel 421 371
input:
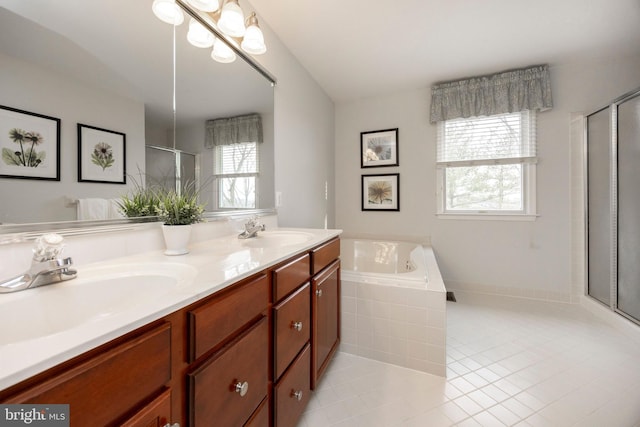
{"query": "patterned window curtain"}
pixel 505 92
pixel 233 130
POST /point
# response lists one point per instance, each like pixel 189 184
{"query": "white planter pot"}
pixel 176 239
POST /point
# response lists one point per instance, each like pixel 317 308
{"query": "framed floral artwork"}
pixel 381 192
pixel 29 145
pixel 101 155
pixel 379 148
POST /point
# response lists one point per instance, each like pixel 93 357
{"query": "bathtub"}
pixel 393 303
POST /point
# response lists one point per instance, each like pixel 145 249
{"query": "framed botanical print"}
pixel 379 148
pixel 381 192
pixel 29 145
pixel 101 155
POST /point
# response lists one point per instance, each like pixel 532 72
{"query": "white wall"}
pixel 304 140
pixel 531 259
pixel 32 89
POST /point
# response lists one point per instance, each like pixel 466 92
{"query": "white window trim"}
pixel 529 211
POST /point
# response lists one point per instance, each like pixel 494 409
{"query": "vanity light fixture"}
pixel 228 23
pixel 199 36
pixel 222 53
pixel 253 41
pixel 205 5
pixel 168 11
pixel 231 20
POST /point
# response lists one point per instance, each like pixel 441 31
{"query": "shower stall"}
pixel 612 194
pixel 171 169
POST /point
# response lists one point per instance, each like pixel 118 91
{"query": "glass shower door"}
pixel 628 225
pixel 599 206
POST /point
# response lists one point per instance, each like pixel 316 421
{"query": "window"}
pixel 236 174
pixel 486 165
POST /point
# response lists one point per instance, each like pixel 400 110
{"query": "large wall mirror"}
pixel 110 65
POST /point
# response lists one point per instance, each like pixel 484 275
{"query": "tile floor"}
pixel 509 361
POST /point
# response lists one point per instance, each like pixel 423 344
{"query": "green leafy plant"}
pixel 141 202
pixel 179 209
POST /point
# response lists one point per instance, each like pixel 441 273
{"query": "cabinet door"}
pixel 326 319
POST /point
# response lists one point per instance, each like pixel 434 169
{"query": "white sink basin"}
pixel 271 239
pixel 95 294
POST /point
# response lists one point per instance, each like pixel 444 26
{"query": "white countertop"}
pixel 209 267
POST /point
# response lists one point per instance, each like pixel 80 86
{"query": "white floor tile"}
pixel 511 362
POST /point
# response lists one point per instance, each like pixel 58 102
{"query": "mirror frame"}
pixel 16 233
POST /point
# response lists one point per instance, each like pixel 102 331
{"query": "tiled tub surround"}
pixel 217 259
pixel 391 317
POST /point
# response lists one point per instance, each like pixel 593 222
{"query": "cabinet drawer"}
pixel 155 414
pixel 215 393
pixel 324 255
pixel 293 390
pixel 290 276
pixel 292 320
pixel 105 388
pixel 260 417
pixel 211 323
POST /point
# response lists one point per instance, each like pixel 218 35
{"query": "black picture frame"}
pixel 379 148
pixel 381 192
pixel 29 145
pixel 102 155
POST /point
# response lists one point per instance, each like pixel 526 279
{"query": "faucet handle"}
pixel 48 247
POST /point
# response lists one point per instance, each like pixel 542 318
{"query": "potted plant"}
pixel 178 212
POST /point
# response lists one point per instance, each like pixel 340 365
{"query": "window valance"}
pixel 505 92
pixel 233 130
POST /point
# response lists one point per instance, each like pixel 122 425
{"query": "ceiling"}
pixel 354 49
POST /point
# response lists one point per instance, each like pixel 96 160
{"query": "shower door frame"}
pixel 613 208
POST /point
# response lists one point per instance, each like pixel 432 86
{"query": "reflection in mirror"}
pixel 90 63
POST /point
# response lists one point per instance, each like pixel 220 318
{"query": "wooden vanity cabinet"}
pixel 228 377
pixel 325 307
pixel 248 355
pixel 123 382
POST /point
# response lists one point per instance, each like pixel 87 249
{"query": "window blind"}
pixel 498 139
pixel 236 159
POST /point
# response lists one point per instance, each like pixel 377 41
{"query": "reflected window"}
pixel 236 175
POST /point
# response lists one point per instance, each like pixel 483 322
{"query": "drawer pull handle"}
pixel 296 395
pixel 172 425
pixel 319 292
pixel 296 325
pixel 242 388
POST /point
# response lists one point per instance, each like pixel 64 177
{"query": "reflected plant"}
pixel 27 155
pixel 102 155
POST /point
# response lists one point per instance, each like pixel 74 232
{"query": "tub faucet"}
pixel 46 266
pixel 251 229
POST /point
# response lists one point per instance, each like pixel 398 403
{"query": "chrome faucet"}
pixel 46 266
pixel 251 229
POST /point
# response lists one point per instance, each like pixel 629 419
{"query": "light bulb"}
pixel 167 11
pixel 232 19
pixel 198 35
pixel 222 53
pixel 205 5
pixel 253 41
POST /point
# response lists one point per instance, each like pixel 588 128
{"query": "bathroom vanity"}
pixel 242 351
